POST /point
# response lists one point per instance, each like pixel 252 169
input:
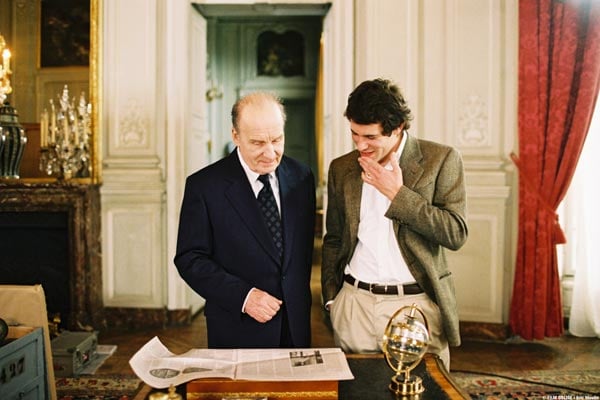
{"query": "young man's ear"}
pixel 399 129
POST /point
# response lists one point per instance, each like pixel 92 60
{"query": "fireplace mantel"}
pixel 81 203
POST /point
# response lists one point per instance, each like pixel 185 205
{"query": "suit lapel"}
pixel 410 162
pixel 352 190
pixel 242 199
pixel 288 205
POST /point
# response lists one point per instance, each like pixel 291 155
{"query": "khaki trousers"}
pixel 359 318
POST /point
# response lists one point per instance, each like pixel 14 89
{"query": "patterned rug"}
pixel 97 388
pixel 534 385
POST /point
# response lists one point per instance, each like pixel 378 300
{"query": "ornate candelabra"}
pixel 65 137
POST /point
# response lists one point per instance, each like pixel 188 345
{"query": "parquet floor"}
pixel 566 353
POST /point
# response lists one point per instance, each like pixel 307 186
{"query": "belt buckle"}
pixel 373 286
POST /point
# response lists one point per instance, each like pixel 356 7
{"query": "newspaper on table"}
pixel 159 368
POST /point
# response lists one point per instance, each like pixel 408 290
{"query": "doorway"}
pixel 271 48
pixel 207 106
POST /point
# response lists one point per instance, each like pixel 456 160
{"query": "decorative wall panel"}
pixel 131 95
pixel 478 267
pixel 132 273
pixel 133 191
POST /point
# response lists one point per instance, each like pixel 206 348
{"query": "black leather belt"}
pixel 411 288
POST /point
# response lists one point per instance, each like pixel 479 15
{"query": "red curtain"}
pixel 559 77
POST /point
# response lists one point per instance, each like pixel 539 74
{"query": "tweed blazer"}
pixel 428 214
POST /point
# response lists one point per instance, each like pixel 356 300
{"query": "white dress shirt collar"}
pixel 256 184
pixel 400 149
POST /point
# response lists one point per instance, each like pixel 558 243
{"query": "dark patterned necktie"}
pixel 268 207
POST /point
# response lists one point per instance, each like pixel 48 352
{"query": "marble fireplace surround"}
pixel 81 203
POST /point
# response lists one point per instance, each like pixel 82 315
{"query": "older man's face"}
pixel 260 136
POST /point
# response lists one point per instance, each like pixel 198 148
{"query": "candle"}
pixel 44 129
pixel 76 130
pixel 52 128
pixel 52 123
pixel 6 60
pixel 66 129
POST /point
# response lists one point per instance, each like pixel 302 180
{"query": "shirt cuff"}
pixel 246 300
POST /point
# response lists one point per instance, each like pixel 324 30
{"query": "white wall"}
pixel 134 158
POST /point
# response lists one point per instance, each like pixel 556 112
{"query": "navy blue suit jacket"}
pixel 224 249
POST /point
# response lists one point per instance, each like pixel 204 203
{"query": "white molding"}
pixel 130 95
pixel 338 77
pixel 133 190
pixel 393 27
pixel 132 261
pixel 478 267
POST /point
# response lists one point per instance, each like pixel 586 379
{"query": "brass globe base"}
pixel 409 388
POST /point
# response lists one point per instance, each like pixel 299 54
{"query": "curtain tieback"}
pixel 558 236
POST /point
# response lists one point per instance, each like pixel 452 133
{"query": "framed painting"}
pixel 280 54
pixel 64 33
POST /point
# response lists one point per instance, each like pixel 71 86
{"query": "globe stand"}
pixel 404 385
pixel 404 344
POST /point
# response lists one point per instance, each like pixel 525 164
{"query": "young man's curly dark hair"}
pixel 369 104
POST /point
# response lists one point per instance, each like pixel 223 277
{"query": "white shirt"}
pixel 258 185
pixel 377 257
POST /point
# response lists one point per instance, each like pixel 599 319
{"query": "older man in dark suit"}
pixel 394 205
pixel 246 234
